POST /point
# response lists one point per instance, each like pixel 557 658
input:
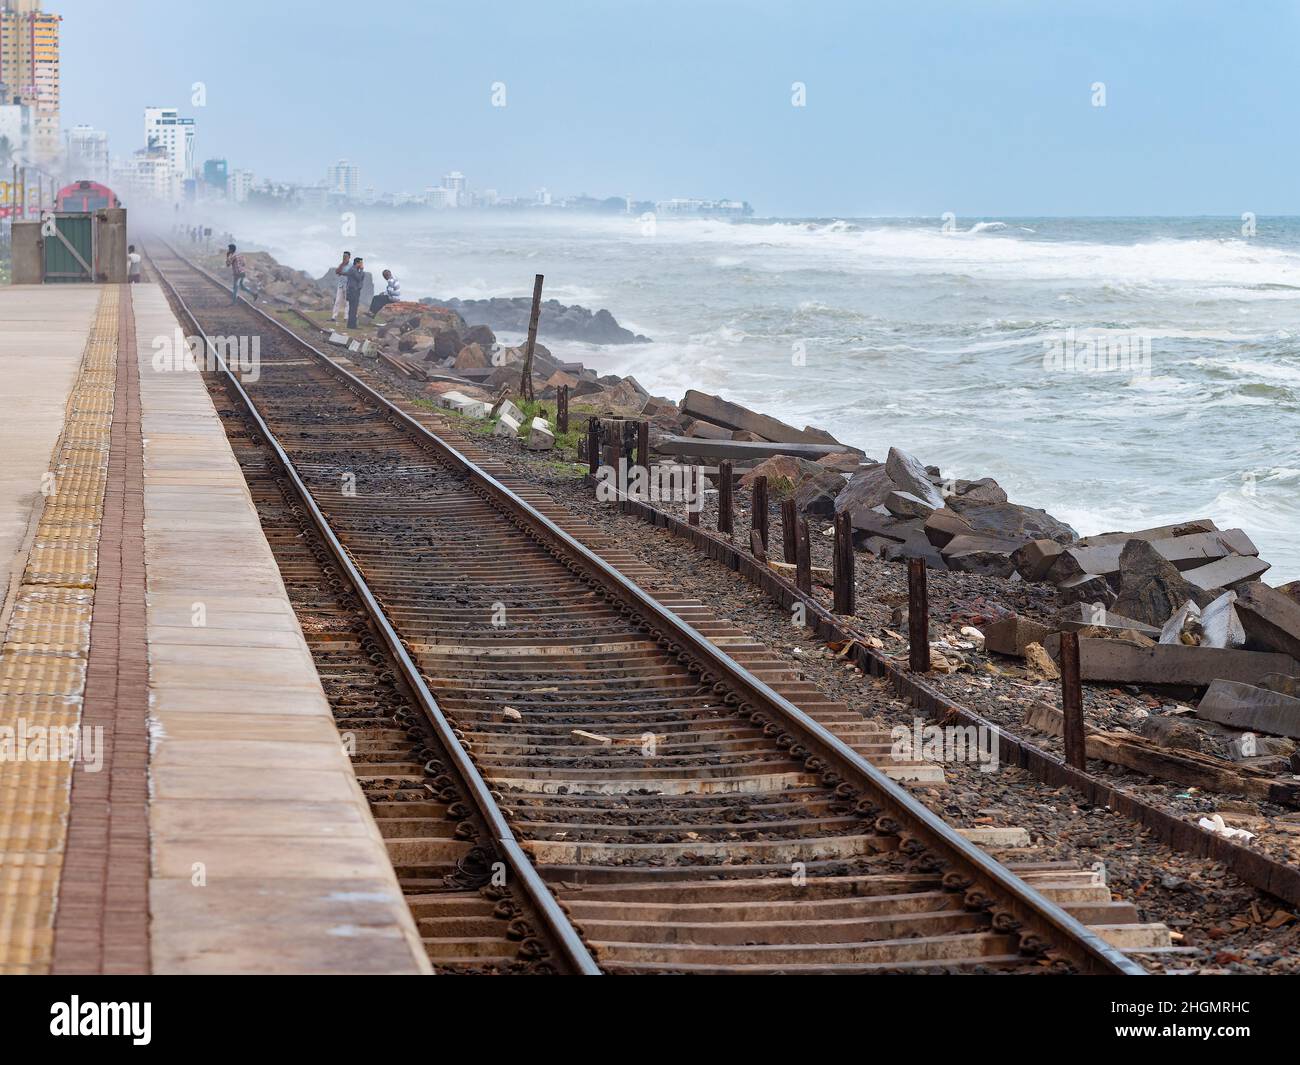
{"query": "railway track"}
pixel 636 786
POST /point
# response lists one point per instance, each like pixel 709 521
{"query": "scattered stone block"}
pixel 1086 588
pixel 906 505
pixel 1095 615
pixel 540 437
pixel 1120 662
pixel 338 339
pixel 1034 559
pixel 1151 588
pixel 981 554
pixel 1220 625
pixel 1164 532
pixel 1186 621
pixel 1010 636
pixel 506 426
pixel 942 525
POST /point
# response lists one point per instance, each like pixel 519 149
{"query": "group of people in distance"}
pixel 350 277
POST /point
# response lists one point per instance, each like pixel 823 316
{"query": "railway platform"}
pixel 174 794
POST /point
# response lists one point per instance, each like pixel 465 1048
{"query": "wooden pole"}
pixel 725 525
pixel 918 616
pixel 789 530
pixel 844 599
pixel 562 409
pixel 615 434
pixel 695 497
pixel 758 522
pixel 526 377
pixel 803 559
pixel 1076 750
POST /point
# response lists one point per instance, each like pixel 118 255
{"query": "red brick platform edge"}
pixel 101 924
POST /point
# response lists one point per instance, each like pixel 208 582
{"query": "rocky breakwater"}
pixel 556 321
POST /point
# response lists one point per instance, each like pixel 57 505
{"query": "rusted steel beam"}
pixel 843 564
pixel 593 445
pixel 918 616
pixel 562 409
pixel 789 530
pixel 695 497
pixel 726 520
pixel 643 444
pixel 1072 702
pixel 803 558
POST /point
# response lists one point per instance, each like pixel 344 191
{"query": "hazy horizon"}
pixel 912 110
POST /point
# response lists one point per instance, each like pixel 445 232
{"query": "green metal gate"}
pixel 70 248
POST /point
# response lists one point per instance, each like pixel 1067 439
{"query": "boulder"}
pixel 1151 588
pixel 867 488
pixel 480 335
pixel 942 525
pixel 984 555
pixel 910 476
pixel 1086 588
pixel 470 357
pixel 1010 636
pixel 1011 521
pixel 982 493
pixel 447 343
pixel 906 505
pixel 842 463
pixel 1035 558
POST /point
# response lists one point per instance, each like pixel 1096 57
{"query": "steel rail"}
pixel 557 923
pixel 1087 950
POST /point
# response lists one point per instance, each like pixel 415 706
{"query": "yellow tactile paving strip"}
pixel 43 658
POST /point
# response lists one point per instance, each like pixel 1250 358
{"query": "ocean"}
pixel 1117 372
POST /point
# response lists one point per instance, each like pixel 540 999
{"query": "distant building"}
pixel 690 208
pixel 29 71
pixel 239 185
pixel 216 175
pixel 166 131
pixel 314 197
pixel 543 198
pixel 344 178
pixel 147 175
pixel 88 154
pixel 439 197
pixel 16 129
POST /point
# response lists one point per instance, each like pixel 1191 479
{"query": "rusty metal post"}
pixel 593 445
pixel 844 599
pixel 643 444
pixel 1076 749
pixel 725 523
pixel 614 430
pixel 803 559
pixel 759 516
pixel 789 530
pixel 695 496
pixel 562 409
pixel 918 616
pixel 526 375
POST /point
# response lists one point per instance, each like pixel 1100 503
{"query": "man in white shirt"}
pixel 391 294
pixel 341 286
pixel 132 265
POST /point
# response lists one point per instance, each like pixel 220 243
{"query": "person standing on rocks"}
pixel 341 286
pixel 391 294
pixel 239 274
pixel 356 281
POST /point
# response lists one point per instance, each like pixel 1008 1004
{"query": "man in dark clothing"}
pixel 356 281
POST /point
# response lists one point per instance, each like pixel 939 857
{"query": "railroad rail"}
pixel 660 804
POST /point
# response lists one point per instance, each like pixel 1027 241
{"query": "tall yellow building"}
pixel 29 71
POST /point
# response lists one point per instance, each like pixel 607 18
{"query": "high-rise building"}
pixel 216 175
pixel 29 71
pixel 166 131
pixel 344 179
pixel 87 154
pixel 239 185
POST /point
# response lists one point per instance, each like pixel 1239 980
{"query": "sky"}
pixel 980 107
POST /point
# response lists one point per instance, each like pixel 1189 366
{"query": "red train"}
pixel 86 196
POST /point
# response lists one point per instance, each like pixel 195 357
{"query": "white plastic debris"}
pixel 1214 823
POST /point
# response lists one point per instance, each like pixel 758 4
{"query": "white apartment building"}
pixel 166 131
pixel 239 185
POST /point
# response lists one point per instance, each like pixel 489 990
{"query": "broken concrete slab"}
pixel 1095 615
pixel 1227 572
pixel 911 476
pixel 1220 625
pixel 1086 588
pixel 1120 662
pixel 981 554
pixel 1270 617
pixel 707 431
pixel 1245 706
pixel 715 409
pixel 1010 636
pixel 462 404
pixel 689 447
pixel 1163 532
